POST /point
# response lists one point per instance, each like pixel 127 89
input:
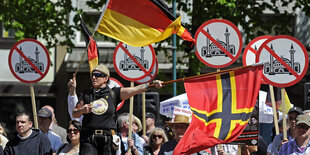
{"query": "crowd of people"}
pixel 96 129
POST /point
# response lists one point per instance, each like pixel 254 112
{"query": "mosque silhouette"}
pixel 129 64
pixel 211 49
pixel 24 67
pixel 275 67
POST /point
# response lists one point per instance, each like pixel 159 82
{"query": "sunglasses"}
pixel 305 127
pixel 98 75
pixel 159 136
pixel 75 131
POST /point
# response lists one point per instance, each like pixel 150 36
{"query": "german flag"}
pixel 92 51
pixel 221 106
pixel 139 22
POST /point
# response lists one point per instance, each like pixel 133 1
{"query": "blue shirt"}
pixel 55 140
pixel 277 141
pixel 137 141
pixel 291 148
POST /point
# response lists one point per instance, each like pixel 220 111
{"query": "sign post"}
pixel 29 62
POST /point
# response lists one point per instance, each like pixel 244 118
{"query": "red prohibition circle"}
pixel 282 85
pixel 47 55
pixel 234 27
pixel 120 45
pixel 152 76
pixel 119 106
pixel 249 48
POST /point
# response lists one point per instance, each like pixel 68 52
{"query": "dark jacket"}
pixel 36 144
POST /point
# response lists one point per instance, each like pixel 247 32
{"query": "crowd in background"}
pixel 96 128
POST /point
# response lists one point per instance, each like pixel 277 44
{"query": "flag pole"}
pixel 143 115
pixel 92 36
pixel 220 145
pixel 76 71
pixel 174 51
pixel 130 115
pixel 208 74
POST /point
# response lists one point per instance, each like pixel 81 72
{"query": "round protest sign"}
pixel 218 43
pixel 116 83
pixel 150 77
pixel 29 61
pixel 285 60
pixel 249 54
pixel 133 63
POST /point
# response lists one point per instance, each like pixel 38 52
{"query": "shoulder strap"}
pixel 113 97
pixel 60 148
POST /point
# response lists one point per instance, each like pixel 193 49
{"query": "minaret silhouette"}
pixel 142 50
pixel 125 59
pixel 227 34
pixel 292 51
pixel 208 54
pixel 21 69
pixel 271 62
pixel 37 57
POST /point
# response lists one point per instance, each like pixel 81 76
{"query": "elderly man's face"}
pixel 44 123
pixel 179 130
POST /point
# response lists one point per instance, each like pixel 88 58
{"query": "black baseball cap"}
pixel 296 109
pixel 150 115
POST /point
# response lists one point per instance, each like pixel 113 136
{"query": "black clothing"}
pixel 93 143
pixel 147 150
pixel 36 144
pixel 106 120
pixel 96 145
pixel 168 147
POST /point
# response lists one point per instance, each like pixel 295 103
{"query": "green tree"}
pixel 46 19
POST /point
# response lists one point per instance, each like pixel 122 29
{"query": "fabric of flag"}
pixel 221 107
pixel 139 22
pixel 92 51
pixel 278 99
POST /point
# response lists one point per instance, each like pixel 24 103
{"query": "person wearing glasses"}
pixel 73 137
pixel 157 137
pixel 98 106
pixel 299 145
pixel 291 132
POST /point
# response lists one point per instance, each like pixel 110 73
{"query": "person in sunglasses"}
pixel 291 132
pixel 157 137
pixel 98 106
pixel 299 145
pixel 73 137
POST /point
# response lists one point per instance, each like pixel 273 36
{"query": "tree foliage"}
pixel 46 19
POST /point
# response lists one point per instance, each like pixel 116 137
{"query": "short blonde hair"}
pixel 162 132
